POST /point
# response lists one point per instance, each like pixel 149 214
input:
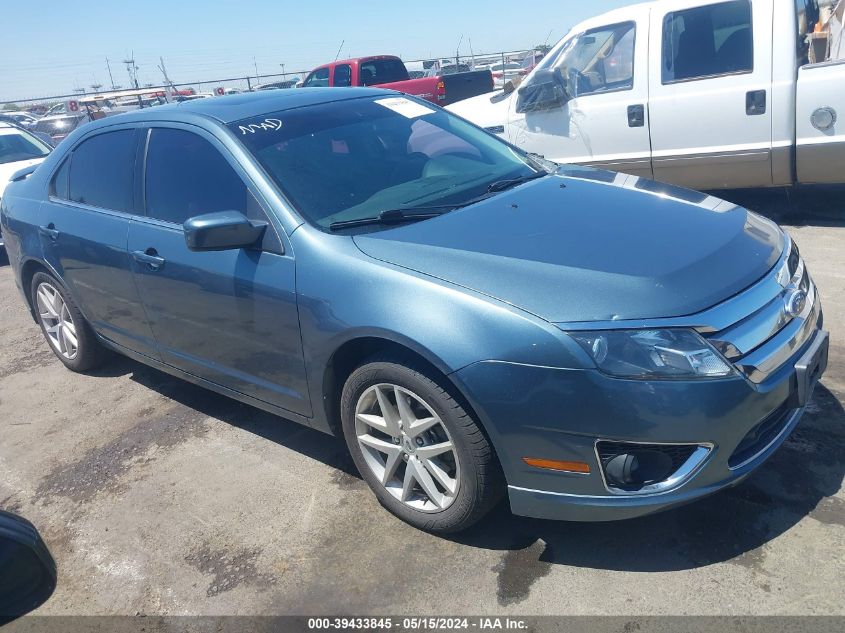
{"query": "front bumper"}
pixel 561 414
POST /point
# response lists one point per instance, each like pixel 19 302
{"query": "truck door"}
pixel 604 121
pixel 710 81
pixel 820 123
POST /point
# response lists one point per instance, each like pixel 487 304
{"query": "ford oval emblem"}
pixel 794 302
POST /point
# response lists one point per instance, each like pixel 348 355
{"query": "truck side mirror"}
pixel 545 91
pixel 27 570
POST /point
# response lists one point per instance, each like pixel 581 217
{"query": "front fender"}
pixel 344 294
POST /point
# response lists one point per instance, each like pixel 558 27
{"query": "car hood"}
pixel 571 248
pixel 7 170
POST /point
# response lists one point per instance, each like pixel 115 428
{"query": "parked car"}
pixel 278 85
pixel 28 572
pixel 58 126
pixel 530 61
pixel 18 149
pixel 24 119
pixel 712 95
pixel 388 71
pixel 453 69
pixel 473 320
pixel 503 72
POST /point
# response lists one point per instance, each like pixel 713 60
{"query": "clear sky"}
pixel 53 46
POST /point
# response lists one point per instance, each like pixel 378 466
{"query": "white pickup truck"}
pixel 709 95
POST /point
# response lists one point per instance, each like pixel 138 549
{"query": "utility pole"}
pixel 284 76
pixel 254 63
pixel 163 70
pixel 111 79
pixel 132 69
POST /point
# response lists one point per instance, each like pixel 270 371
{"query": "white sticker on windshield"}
pixel 407 108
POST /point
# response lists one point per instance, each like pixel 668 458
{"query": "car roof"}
pixel 360 60
pixel 236 107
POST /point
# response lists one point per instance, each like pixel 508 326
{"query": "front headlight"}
pixel 651 354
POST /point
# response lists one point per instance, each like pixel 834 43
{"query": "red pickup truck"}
pixel 387 71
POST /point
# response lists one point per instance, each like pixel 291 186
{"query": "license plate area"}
pixel 810 367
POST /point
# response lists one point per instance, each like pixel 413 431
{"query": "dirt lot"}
pixel 158 497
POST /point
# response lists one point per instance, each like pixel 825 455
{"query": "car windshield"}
pixel 356 158
pixel 17 145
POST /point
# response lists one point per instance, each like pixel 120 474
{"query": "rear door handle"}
pixel 150 258
pixel 755 102
pixel 49 231
pixel 636 115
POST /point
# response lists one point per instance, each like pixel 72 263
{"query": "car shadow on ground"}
pixel 735 524
pixel 324 448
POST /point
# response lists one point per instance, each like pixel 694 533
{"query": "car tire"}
pixel 67 332
pixel 445 492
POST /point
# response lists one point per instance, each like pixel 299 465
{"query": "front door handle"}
pixel 49 231
pixel 636 115
pixel 150 258
pixel 755 102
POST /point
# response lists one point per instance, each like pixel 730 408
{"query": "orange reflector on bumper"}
pixel 553 464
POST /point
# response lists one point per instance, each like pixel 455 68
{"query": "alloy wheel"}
pixel 407 447
pixel 57 321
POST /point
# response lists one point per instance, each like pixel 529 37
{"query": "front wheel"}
pixel 425 458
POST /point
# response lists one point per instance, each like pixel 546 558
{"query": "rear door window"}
pixel 382 71
pixel 707 41
pixel 102 171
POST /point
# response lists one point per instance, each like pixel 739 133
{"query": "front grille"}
pixel 678 453
pixel 759 342
pixel 759 437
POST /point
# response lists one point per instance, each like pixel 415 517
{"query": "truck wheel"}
pixel 425 458
pixel 66 330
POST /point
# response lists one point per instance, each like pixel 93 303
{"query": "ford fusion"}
pixel 476 322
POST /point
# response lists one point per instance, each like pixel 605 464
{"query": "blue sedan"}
pixel 475 321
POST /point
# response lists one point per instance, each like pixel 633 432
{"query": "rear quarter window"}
pixel 59 182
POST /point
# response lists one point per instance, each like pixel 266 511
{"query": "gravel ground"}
pixel 159 497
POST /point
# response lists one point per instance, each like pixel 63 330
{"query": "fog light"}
pixel 637 468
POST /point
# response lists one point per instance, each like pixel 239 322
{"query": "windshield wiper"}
pixel 396 216
pixel 501 185
pixel 413 214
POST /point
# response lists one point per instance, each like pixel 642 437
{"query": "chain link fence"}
pixel 289 79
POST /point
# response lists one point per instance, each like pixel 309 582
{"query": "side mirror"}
pixel 545 91
pixel 222 231
pixel 27 570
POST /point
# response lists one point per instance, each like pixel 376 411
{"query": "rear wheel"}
pixel 66 330
pixel 421 453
